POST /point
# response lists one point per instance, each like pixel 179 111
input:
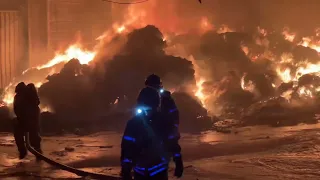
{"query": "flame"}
pixel 121 29
pixel 262 31
pixel 289 36
pixel 199 91
pixel 247 86
pixel 73 52
pixel 245 49
pixel 224 28
pixel 304 68
pixel 285 75
pixel 304 91
pixel 290 71
pixel 205 25
pixel 38 84
pixel 45 109
pixel 287 94
pixel 8 98
pixel 308 42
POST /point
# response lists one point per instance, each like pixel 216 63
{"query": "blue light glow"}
pixel 161 90
pixel 142 110
pixel 128 138
pixel 139 111
pixel 177 155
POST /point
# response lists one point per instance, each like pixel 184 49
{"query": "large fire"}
pixel 138 16
pixel 73 52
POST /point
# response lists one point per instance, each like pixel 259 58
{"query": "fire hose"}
pixel 68 168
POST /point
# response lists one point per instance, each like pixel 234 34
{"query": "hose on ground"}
pixel 65 167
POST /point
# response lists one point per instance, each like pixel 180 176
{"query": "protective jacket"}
pixel 147 147
pixel 170 113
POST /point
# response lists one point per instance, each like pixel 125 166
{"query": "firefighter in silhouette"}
pixel 33 116
pixel 168 106
pixel 169 110
pixel 146 147
pixel 26 108
pixel 19 105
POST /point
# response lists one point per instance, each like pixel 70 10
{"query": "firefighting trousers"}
pixel 160 176
pixel 19 136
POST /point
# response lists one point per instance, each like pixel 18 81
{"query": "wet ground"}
pixel 251 153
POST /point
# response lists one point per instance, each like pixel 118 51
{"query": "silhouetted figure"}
pixel 170 119
pixel 20 124
pixel 33 116
pixel 169 111
pixel 26 107
pixel 145 146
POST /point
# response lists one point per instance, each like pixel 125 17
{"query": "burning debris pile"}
pixel 79 94
pixel 261 71
pixel 255 75
pixel 259 78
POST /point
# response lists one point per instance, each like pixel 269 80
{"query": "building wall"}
pixel 38 32
pixel 71 20
pixel 55 24
pixel 13 40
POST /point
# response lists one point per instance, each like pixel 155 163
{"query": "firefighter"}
pixel 20 122
pixel 33 116
pixel 168 106
pixel 169 111
pixel 26 107
pixel 145 147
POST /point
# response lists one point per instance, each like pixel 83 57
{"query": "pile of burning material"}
pixel 63 90
pixel 221 72
pixel 81 96
pixel 279 112
pixel 193 117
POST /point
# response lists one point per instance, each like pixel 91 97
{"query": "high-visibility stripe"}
pixel 128 138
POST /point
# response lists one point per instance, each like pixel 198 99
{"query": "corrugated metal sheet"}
pixel 9 46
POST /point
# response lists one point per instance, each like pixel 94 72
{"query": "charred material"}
pixel 195 117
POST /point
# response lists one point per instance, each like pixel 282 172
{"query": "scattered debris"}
pixel 81 145
pixel 258 138
pixel 59 153
pixel 69 149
